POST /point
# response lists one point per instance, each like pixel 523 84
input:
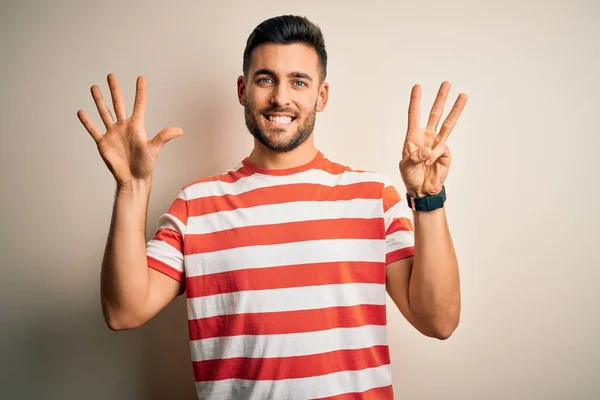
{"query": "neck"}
pixel 264 158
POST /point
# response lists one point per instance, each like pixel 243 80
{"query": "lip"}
pixel 280 115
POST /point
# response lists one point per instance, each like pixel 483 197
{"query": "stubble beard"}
pixel 302 133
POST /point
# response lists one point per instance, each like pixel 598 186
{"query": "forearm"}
pixel 434 288
pixel 124 283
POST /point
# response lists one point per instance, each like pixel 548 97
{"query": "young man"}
pixel 286 258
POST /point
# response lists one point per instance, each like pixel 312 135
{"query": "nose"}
pixel 280 96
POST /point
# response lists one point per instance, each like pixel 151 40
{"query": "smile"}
pixel 279 119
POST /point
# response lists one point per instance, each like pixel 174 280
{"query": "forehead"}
pixel 285 58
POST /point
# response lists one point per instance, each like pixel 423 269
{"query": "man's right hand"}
pixel 125 147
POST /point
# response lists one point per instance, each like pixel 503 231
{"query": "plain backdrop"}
pixel 523 190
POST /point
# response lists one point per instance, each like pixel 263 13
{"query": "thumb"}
pixel 416 157
pixel 162 137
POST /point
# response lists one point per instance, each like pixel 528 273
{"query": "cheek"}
pixel 305 103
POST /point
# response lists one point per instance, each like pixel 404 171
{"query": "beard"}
pixel 303 132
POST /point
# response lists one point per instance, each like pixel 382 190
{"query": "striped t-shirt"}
pixel 284 275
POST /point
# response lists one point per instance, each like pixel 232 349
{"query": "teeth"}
pixel 280 120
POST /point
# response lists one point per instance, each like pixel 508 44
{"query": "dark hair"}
pixel 287 29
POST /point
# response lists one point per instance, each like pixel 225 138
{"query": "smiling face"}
pixel 281 95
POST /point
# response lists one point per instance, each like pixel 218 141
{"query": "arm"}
pixel 426 287
pixel 131 293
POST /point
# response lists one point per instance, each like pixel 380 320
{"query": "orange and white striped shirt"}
pixel 284 274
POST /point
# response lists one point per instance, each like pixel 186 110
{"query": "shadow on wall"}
pixel 165 364
pixel 53 340
pixel 55 344
pixel 63 351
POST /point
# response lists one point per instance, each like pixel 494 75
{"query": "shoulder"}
pixel 379 184
pixel 334 167
pixel 208 184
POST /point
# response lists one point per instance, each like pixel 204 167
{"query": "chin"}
pixel 279 146
pixel 280 142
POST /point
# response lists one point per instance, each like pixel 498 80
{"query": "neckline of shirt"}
pixel 284 171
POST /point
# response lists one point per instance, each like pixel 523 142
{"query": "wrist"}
pixel 415 193
pixel 421 193
pixel 135 186
pixel 426 202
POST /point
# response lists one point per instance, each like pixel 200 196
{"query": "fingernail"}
pixel 428 162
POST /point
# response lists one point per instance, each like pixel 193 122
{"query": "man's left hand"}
pixel 425 157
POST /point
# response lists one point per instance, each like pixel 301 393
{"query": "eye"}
pixel 264 80
pixel 300 83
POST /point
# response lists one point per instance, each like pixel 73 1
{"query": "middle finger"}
pixel 117 97
pixel 438 107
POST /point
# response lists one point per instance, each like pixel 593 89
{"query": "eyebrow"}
pixel 295 74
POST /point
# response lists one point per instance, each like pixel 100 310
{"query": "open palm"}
pixel 125 147
pixel 426 158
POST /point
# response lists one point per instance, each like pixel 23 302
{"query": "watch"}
pixel 427 203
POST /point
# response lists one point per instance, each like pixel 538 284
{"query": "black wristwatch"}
pixel 427 203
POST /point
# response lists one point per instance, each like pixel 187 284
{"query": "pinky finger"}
pixel 445 159
pixel 440 153
pixel 89 126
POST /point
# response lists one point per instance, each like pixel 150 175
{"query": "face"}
pixel 282 94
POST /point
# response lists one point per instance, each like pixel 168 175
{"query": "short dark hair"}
pixel 287 29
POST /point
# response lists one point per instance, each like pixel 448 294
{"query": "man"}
pixel 286 258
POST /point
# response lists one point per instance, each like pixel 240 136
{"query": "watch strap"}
pixel 427 203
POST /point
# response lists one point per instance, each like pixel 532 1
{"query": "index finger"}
pixel 139 106
pixel 414 108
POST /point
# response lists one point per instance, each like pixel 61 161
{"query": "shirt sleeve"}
pixel 164 252
pixel 399 231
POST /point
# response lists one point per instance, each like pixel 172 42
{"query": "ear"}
pixel 323 96
pixel 241 90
